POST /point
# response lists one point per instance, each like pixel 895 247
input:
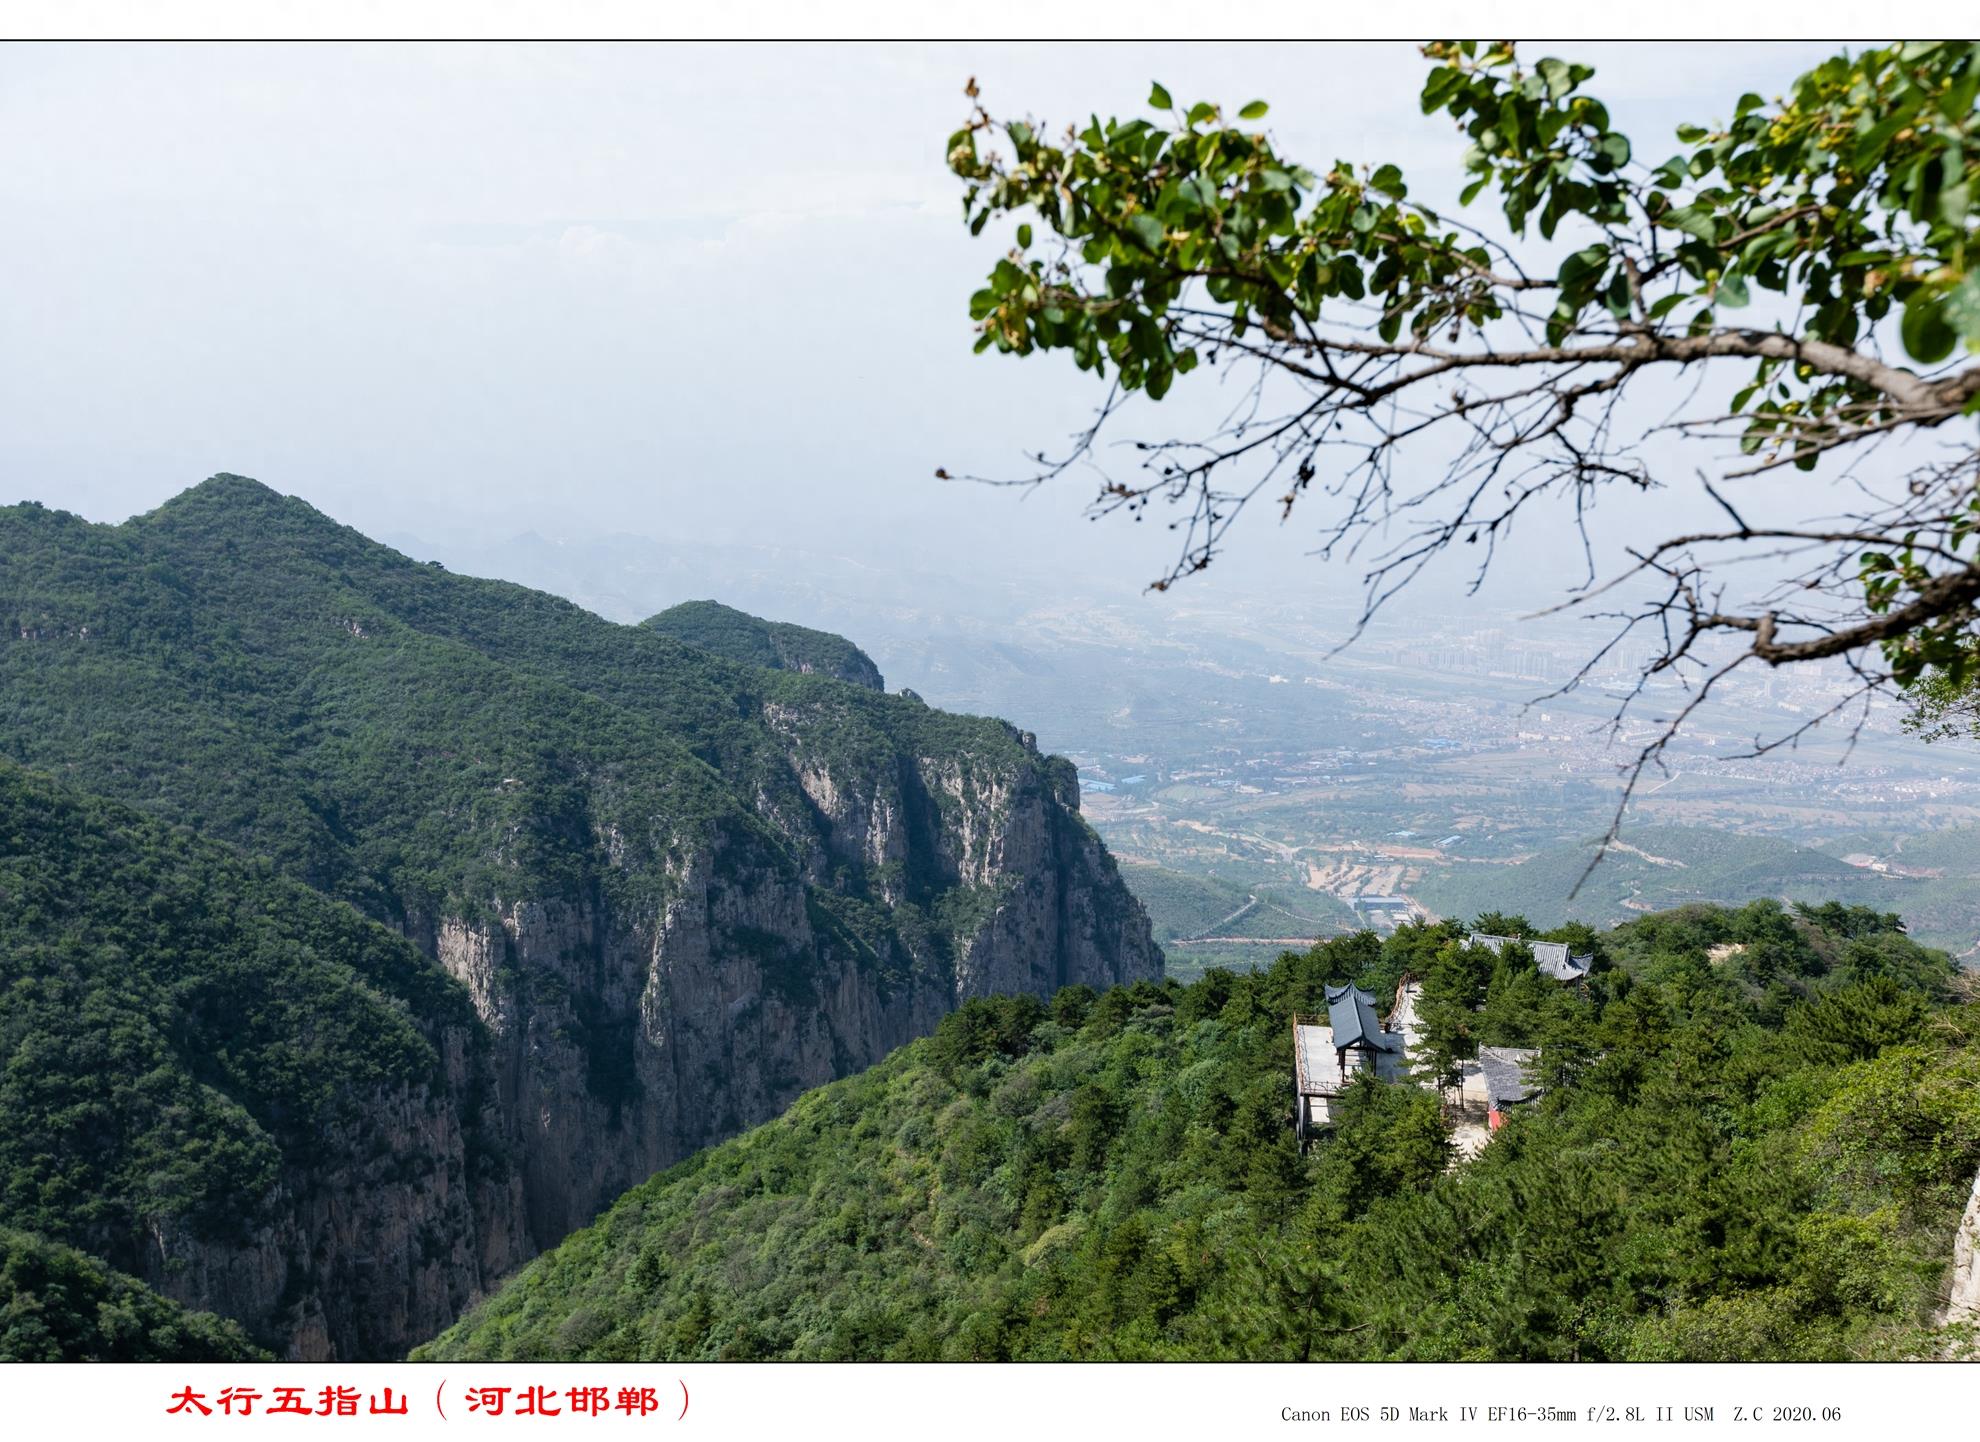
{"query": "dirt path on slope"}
pixel 1624 846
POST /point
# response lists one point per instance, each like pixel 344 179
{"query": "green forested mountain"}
pixel 1761 1156
pixel 59 1305
pixel 666 890
pixel 364 928
pixel 1936 876
pixel 773 645
pixel 1182 905
pixel 240 661
pixel 202 1058
pixel 1208 921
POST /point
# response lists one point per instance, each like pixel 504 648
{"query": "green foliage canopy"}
pixel 1708 1177
pixel 1380 328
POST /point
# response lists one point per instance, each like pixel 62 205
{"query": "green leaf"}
pixel 1926 333
pixel 1954 202
pixel 1254 111
pixel 1617 297
pixel 1024 237
pixel 1957 102
pixel 1389 181
pixel 1582 267
pixel 1439 85
pixel 1732 290
pixel 1159 98
pixel 1147 229
pixel 1871 143
pixel 1692 134
pixel 1672 173
pixel 1199 191
pixel 1691 221
pixel 1961 309
pixel 1200 112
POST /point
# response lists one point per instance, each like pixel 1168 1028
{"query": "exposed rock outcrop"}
pixel 393 1226
pixel 627 1035
pixel 1963 1300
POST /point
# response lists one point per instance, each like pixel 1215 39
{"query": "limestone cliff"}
pixel 668 884
pixel 633 1027
pixel 1963 1296
pixel 386 1227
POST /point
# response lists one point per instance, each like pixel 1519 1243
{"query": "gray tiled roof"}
pixel 1505 1069
pixel 1351 1011
pixel 1552 957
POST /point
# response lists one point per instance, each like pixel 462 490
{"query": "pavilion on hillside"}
pixel 1329 1055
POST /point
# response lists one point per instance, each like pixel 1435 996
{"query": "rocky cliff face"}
pixel 681 871
pixel 1963 1296
pixel 628 1035
pixel 389 1227
pixel 630 1025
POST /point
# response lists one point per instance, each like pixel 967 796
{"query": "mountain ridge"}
pixel 772 645
pixel 676 888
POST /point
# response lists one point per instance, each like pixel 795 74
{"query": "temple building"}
pixel 1328 1055
pixel 1552 957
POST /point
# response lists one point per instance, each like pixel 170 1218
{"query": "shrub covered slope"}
pixel 1760 1155
pixel 197 1055
pixel 59 1305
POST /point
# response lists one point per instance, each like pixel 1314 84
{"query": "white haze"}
pixel 703 294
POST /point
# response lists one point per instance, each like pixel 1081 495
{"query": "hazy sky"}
pixel 457 291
